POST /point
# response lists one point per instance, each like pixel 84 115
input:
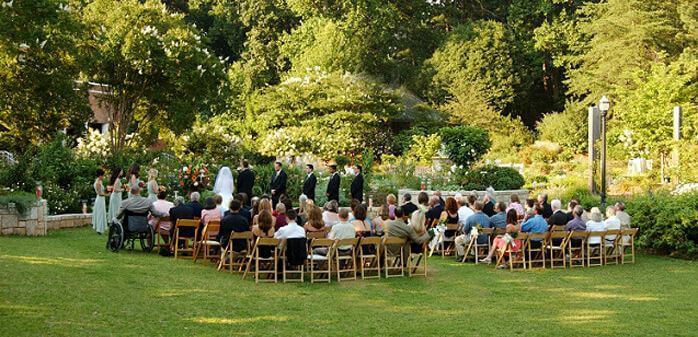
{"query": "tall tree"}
pixel 153 66
pixel 39 61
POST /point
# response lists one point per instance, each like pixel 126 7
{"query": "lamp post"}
pixel 604 106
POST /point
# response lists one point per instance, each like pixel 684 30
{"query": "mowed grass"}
pixel 67 284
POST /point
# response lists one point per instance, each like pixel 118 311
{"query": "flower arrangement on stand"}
pixel 193 178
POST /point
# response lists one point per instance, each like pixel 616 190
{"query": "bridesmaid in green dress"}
pixel 99 210
pixel 117 192
pixel 153 187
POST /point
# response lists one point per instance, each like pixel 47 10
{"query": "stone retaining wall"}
pixel 36 221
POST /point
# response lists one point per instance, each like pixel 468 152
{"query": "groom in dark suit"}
pixel 245 181
pixel 357 185
pixel 333 185
pixel 278 183
pixel 310 182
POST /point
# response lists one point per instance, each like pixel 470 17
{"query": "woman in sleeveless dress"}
pixel 117 191
pixel 133 177
pixel 153 185
pixel 99 210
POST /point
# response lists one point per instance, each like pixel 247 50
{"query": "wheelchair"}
pixel 135 227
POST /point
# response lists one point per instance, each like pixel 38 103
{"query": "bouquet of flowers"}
pixel 193 177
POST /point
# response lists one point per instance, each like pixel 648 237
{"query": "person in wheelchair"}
pixel 136 209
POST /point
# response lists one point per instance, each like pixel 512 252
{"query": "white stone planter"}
pixel 36 221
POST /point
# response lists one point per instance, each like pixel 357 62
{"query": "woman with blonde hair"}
pixel 391 200
pixel 153 187
pixel 380 223
pixel 264 205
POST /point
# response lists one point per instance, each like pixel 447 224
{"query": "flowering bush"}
pixel 96 145
pixel 193 177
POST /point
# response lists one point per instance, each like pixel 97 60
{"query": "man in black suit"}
pixel 278 183
pixel 357 185
pixel 233 222
pixel 543 202
pixel 195 204
pixel 180 211
pixel 559 218
pixel 309 182
pixel 244 210
pixel 333 185
pixel 245 181
pixel 407 205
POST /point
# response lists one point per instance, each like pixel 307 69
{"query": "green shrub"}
pixel 22 200
pixel 479 178
pixel 465 144
pixel 567 128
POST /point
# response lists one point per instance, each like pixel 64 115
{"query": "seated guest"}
pixel 244 210
pixel 292 230
pixel 264 229
pixel 342 230
pixel 435 210
pixel 530 212
pixel 195 204
pixel 136 204
pixel 398 228
pixel 570 210
pixel 559 218
pixel 162 206
pixel 478 219
pixel 314 223
pixel 254 208
pixel 233 222
pixel 361 224
pixel 218 199
pixel 354 203
pixel 281 218
pixel 511 220
pixel 330 214
pixel 391 200
pixel 622 215
pixel 408 207
pixel 284 199
pixel 441 200
pixel 595 224
pixel 535 224
pixel 543 202
pixel 301 204
pixel 576 224
pixel 449 216
pixel 464 208
pixel 515 204
pixel 210 211
pixel 264 205
pixel 380 222
pixel 612 222
pixel 302 216
pixel 499 220
pixel 585 215
pixel 181 211
pixel 488 201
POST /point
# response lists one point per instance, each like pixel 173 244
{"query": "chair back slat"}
pixel 371 240
pixel 316 235
pixel 346 242
pixel 487 231
pixel 242 235
pixel 391 240
pixel 557 228
pixel 558 235
pixel 322 243
pixel 187 223
pixel 267 242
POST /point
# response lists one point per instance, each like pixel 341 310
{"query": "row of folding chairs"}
pixel 562 249
pixel 367 257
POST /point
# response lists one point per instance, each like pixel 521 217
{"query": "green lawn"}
pixel 67 284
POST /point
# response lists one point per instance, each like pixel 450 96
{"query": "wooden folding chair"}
pixel 611 245
pixel 447 244
pixel 270 262
pixel 515 257
pixel 345 261
pixel 417 262
pixel 208 240
pixel 557 245
pixel 557 228
pixel 595 251
pixel 576 248
pixel 231 258
pixel 159 241
pixel 483 249
pixel 187 242
pixel 369 257
pixel 288 270
pixel 628 240
pixel 537 254
pixel 318 261
pixel 393 260
pixel 470 248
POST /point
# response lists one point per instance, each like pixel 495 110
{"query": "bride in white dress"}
pixel 225 186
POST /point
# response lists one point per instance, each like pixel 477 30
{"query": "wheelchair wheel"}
pixel 147 240
pixel 115 239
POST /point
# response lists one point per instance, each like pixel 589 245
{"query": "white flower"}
pixel 7 4
pixel 23 47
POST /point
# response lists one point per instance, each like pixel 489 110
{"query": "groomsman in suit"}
pixel 310 182
pixel 357 185
pixel 278 183
pixel 245 181
pixel 333 184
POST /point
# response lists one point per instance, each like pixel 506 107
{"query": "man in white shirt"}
pixel 292 230
pixel 464 210
pixel 343 229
